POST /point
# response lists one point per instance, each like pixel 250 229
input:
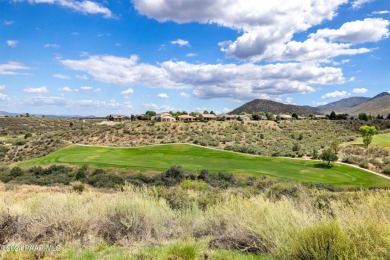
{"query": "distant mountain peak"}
pixel 264 105
pixel 383 94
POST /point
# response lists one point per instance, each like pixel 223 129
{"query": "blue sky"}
pixel 101 57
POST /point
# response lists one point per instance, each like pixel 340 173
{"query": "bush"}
pixel 321 241
pixel 20 142
pixel 171 177
pixel 386 169
pixel 78 187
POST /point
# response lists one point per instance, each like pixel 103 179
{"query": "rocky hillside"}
pixel 260 105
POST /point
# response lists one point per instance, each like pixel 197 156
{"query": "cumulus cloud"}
pixel 2 87
pixel 162 95
pixel 368 30
pixel 85 6
pixel 40 90
pixel 12 68
pixel 360 90
pixel 155 107
pixel 336 94
pixel 68 89
pixel 83 77
pixel 181 43
pixel 51 45
pixel 12 43
pixel 191 54
pixel 262 25
pixel 210 80
pixel 127 93
pixel 356 4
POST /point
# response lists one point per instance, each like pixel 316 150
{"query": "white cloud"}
pixel 210 80
pixel 181 43
pixel 335 94
pixel 263 26
pixel 128 92
pixel 289 100
pixel 12 67
pixel 90 89
pixel 368 30
pixel 184 95
pixel 8 22
pixel 356 4
pixel 40 90
pixel 191 54
pixel 51 45
pixel 360 90
pixel 12 43
pixel 319 103
pixel 226 110
pixel 68 89
pixel 162 95
pixel 85 6
pixel 381 12
pixel 2 87
pixel 61 76
pixel 4 97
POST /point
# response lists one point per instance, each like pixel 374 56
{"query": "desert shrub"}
pixel 105 180
pixel 280 189
pixel 8 227
pixel 78 187
pixel 20 142
pixel 27 135
pixel 173 176
pixel 386 169
pixel 3 150
pixel 194 185
pixel 324 240
pixel 16 172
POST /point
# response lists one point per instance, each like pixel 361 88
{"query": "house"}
pixel 207 117
pixel 227 117
pixel 164 117
pixel 114 117
pixel 320 117
pixel 285 117
pixel 186 118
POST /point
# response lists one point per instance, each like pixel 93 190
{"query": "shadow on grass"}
pixel 323 166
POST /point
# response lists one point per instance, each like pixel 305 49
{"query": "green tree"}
pixel 150 113
pixel 332 116
pixel 363 117
pixel 335 145
pixel 295 115
pixel 367 133
pixel 328 156
pixel 205 112
pixel 269 115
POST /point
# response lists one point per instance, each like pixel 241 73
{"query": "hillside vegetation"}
pixel 26 138
pixel 262 105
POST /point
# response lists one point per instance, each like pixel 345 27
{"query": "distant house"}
pixel 285 117
pixel 186 118
pixel 227 117
pixel 208 117
pixel 320 117
pixel 164 117
pixel 114 117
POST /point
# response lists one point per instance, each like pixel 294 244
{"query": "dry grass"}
pixel 358 226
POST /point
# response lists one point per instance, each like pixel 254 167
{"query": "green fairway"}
pixel 381 139
pixel 159 158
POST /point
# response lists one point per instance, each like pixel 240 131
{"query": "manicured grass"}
pixel 381 139
pixel 193 158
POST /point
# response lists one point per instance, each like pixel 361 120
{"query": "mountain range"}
pixel 377 105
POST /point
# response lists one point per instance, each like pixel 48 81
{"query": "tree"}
pixel 295 115
pixel 388 117
pixel 363 117
pixel 328 155
pixel 205 112
pixel 150 113
pixel 212 112
pixel 269 115
pixel 367 132
pixel 335 145
pixel 332 116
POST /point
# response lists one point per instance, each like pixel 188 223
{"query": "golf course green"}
pixel 381 140
pixel 159 158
